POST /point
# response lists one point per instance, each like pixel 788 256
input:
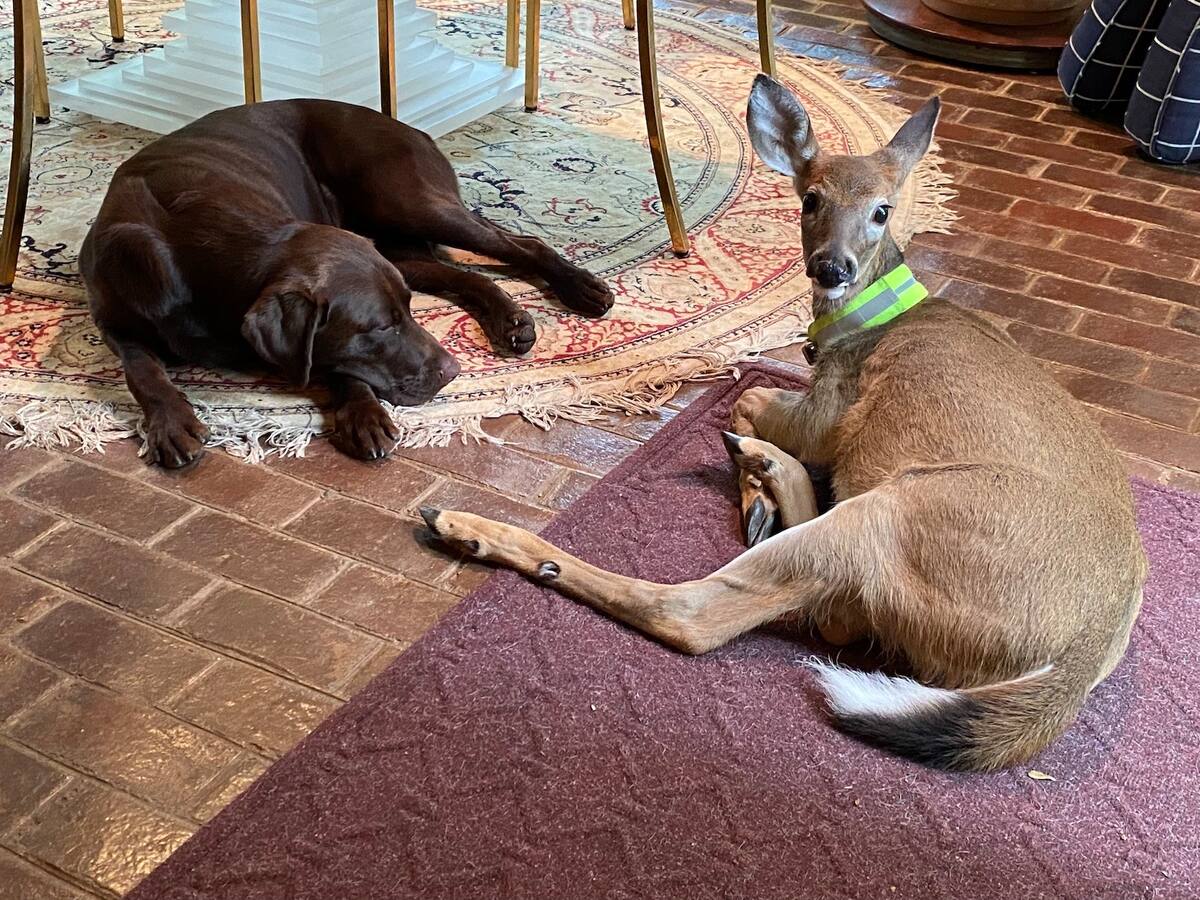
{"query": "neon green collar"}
pixel 879 302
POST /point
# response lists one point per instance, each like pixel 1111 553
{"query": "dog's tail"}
pixel 975 729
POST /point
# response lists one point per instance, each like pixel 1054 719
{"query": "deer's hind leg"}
pixel 803 569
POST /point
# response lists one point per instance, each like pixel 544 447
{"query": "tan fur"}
pixel 984 528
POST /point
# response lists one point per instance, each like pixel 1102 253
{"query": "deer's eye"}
pixel 808 203
pixel 880 216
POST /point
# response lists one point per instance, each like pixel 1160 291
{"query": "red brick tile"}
pixel 1074 220
pixel 391 607
pixel 372 667
pixel 452 494
pixel 123 575
pixel 1024 126
pixel 20 524
pixel 25 881
pixel 1172 242
pixel 1043 260
pixel 111 650
pixel 983 105
pixel 949 75
pixel 1183 480
pixel 1021 186
pixel 967 268
pixel 1047 148
pixel 1104 182
pixel 1165 342
pixel 1010 304
pixel 225 788
pixel 391 483
pixel 1145 283
pixel 1174 377
pixel 248 554
pixel 506 470
pixel 100 836
pixel 573 486
pixel 986 156
pixel 960 242
pixel 567 443
pixel 1131 399
pixel 1187 200
pixel 280 635
pixel 252 707
pixel 1102 299
pixel 356 529
pixel 1010 229
pixel 251 491
pixel 1073 351
pixel 1127 256
pixel 1038 93
pixel 688 392
pixel 1155 214
pixel 27 781
pixel 986 201
pixel 23 599
pixel 1187 319
pixel 22 681
pixel 131 746
pixel 18 463
pixel 1157 442
pixel 100 498
pixel 640 427
pixel 1179 176
pixel 1103 142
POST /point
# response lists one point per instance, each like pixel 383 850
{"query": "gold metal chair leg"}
pixel 387 57
pixel 533 42
pixel 654 129
pixel 116 20
pixel 41 87
pixel 251 59
pixel 512 34
pixel 627 14
pixel 766 37
pixel 24 62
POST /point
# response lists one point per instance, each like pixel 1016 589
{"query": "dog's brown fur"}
pixel 984 529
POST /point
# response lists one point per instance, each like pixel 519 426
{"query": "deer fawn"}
pixel 983 532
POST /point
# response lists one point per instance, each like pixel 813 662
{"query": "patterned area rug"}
pixel 577 173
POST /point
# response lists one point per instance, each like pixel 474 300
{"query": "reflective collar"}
pixel 879 302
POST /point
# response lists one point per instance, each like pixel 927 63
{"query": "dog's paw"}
pixel 364 430
pixel 584 293
pixel 513 333
pixel 175 439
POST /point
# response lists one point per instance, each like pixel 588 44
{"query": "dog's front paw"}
pixel 513 332
pixel 584 293
pixel 364 430
pixel 175 439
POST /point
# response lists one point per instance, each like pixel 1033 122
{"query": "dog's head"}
pixel 334 305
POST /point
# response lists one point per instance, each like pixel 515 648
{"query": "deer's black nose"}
pixel 831 273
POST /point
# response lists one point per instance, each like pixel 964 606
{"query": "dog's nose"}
pixel 448 369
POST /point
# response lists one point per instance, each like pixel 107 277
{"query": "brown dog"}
pixel 292 233
pixel 984 529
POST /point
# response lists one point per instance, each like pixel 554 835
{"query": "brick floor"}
pixel 163 637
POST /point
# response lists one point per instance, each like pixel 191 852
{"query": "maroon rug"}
pixel 528 747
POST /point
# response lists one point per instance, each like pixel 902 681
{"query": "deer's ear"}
pixel 912 141
pixel 779 127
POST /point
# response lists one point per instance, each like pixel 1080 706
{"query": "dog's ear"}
pixel 912 141
pixel 779 128
pixel 281 327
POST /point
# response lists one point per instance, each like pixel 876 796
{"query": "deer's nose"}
pixel 831 271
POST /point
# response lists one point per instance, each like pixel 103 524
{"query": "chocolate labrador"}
pixel 293 233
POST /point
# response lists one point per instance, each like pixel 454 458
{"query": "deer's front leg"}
pixel 799 424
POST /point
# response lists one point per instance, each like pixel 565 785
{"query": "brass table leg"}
pixel 766 37
pixel 251 60
pixel 533 42
pixel 627 14
pixel 24 63
pixel 41 89
pixel 116 20
pixel 387 57
pixel 654 129
pixel 512 34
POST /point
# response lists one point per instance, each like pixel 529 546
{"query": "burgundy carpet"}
pixel 528 747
